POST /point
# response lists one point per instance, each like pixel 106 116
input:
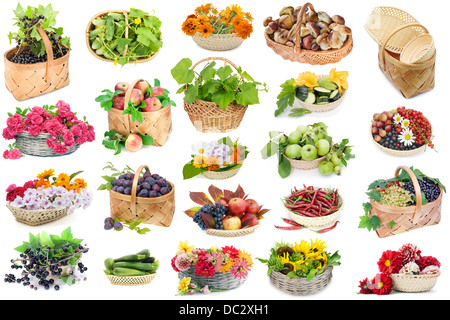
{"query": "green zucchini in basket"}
pixel 320 91
pixel 322 100
pixel 311 99
pixel 302 92
pixel 335 95
pixel 327 84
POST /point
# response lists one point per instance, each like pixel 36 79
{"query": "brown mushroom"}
pixel 273 25
pixel 343 31
pixel 338 19
pixel 323 16
pixel 334 40
pixel 269 30
pixel 324 28
pixel 312 16
pixel 307 42
pixel 287 10
pixel 286 21
pixel 315 47
pixel 267 21
pixel 281 36
pixel 315 30
pixel 323 42
pixel 304 31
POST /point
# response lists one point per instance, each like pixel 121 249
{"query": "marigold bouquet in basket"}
pixel 207 20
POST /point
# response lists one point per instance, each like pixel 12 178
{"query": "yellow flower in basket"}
pixel 340 78
pixel 308 79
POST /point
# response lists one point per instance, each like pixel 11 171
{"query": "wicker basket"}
pixel 220 281
pixel 305 165
pixel 406 218
pixel 317 222
pixel 221 175
pixel 37 145
pixel 26 81
pixel 209 117
pixel 131 281
pixel 297 54
pixel 218 42
pixel 322 107
pixel 91 26
pixel 418 50
pixel 232 233
pixel 157 124
pixel 37 217
pixel 413 283
pixel 301 286
pixel 158 211
pixel 409 79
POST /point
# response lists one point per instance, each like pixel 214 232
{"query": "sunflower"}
pixel 46 174
pixel 291 266
pixel 189 26
pixel 244 29
pixel 318 247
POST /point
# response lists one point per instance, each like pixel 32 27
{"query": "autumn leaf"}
pixel 215 193
pixel 200 198
pixel 208 220
pixel 239 193
pixel 192 211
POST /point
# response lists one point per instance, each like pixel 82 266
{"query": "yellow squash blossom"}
pixel 340 78
pixel 308 79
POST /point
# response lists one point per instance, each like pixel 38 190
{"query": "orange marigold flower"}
pixel 244 29
pixel 43 183
pixel 213 167
pixel 189 26
pixel 205 30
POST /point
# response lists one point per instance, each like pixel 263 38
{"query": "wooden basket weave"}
pixel 301 286
pixel 37 145
pixel 305 165
pixel 220 175
pixel 37 217
pixel 220 281
pixel 208 116
pixel 297 54
pixel 131 281
pixel 26 81
pixel 218 42
pixel 406 218
pixel 413 283
pixel 410 79
pixel 232 233
pixel 158 211
pixel 157 124
pixel 91 26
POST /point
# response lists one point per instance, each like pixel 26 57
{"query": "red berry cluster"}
pixel 419 125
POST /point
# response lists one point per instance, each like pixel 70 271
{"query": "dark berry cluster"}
pixel 428 187
pixel 391 141
pixel 149 185
pixel 217 211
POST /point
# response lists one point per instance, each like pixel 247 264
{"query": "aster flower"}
pixel 426 261
pixel 240 269
pixel 382 284
pixel 390 262
pixel 365 286
pixel 409 252
pixel 411 268
pixel 431 270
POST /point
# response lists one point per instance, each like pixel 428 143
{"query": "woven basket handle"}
pixel 127 98
pixel 416 189
pixel 134 187
pixel 49 50
pixel 385 42
pixel 125 13
pixel 297 28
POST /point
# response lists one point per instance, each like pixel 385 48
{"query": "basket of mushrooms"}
pixel 304 35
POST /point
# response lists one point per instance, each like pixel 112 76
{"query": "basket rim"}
pixel 57 61
pixel 213 104
pixel 127 198
pixel 398 152
pixel 115 110
pixel 319 159
pixel 417 277
pixel 9 206
pixel 248 230
pixel 328 269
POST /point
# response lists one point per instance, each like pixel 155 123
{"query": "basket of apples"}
pixel 137 113
pixel 227 214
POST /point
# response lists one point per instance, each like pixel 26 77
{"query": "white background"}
pixel 369 92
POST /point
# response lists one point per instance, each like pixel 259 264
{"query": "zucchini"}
pixel 335 95
pixel 322 100
pixel 109 264
pixel 134 265
pixel 145 253
pixel 302 92
pixel 322 91
pixel 149 260
pixel 131 258
pixel 311 98
pixel 327 84
pixel 126 272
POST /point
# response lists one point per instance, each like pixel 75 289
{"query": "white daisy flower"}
pixel 405 123
pixel 406 137
pixel 398 118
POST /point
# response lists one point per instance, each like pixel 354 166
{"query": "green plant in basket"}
pixel 220 85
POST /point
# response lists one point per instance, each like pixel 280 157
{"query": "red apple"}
pixel 119 102
pixel 157 91
pixel 231 223
pixel 133 142
pixel 249 220
pixel 223 202
pixel 152 104
pixel 122 86
pixel 237 206
pixel 252 206
pixel 136 97
pixel 143 86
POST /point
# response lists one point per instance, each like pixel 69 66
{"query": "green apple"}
pixel 310 135
pixel 323 147
pixel 293 151
pixel 326 168
pixel 336 160
pixel 309 152
pixel 337 170
pixel 302 129
pixel 295 137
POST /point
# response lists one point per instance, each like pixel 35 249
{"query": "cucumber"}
pixel 322 100
pixel 109 264
pixel 131 258
pixel 322 91
pixel 311 98
pixel 147 267
pixel 149 260
pixel 126 272
pixel 335 95
pixel 302 92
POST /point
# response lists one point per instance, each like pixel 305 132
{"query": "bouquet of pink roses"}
pixel 56 125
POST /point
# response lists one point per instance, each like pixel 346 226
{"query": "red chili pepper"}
pixel 291 222
pixel 289 228
pixel 328 229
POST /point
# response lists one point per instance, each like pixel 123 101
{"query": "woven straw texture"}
pixel 305 165
pixel 218 42
pixel 297 54
pixel 406 218
pixel 232 233
pixel 36 217
pixel 26 81
pixel 131 281
pixel 221 281
pixel 322 107
pixel 158 211
pixel 383 20
pixel 414 283
pixel 409 79
pixel 220 175
pixel 37 145
pixel 301 286
pixel 91 27
pixel 157 124
pixel 317 222
pixel 418 49
pixel 208 116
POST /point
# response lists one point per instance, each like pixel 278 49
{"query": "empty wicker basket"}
pixel 301 286
pixel 158 211
pixel 26 81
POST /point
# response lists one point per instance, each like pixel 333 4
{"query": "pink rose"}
pixel 60 149
pixel 7 134
pixel 15 154
pixel 34 130
pixel 14 120
pixel 76 130
pixel 68 138
pixel 6 154
pixel 36 119
pixel 11 188
pixel 81 139
pixel 54 127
